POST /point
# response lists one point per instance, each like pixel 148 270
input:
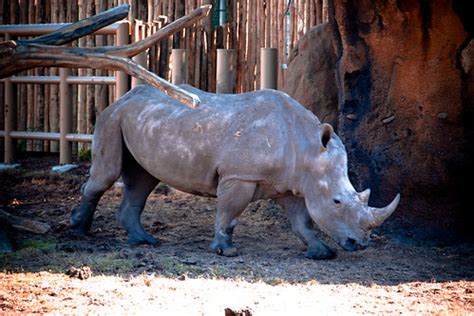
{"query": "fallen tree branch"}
pixel 81 28
pixel 23 223
pixel 18 56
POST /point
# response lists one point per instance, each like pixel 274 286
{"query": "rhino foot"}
pixel 225 250
pixel 81 221
pixel 142 239
pixel 320 252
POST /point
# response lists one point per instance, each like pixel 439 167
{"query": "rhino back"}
pixel 249 136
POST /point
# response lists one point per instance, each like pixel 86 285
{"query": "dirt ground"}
pixel 396 274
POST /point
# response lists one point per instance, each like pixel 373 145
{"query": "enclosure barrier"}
pixel 179 66
pixel 269 68
pixel 225 73
pixel 65 137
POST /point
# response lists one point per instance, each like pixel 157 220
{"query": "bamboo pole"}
pixel 65 153
pixel 312 16
pixel 9 117
pixel 90 89
pixel 179 66
pixel 22 88
pixel 30 89
pixel 101 91
pixel 224 72
pixel 39 89
pixel 82 89
pixel 54 98
pixel 319 12
pixel 325 11
pixel 122 85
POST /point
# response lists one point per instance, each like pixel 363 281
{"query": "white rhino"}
pixel 238 148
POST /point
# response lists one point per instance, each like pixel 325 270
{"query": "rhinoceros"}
pixel 237 148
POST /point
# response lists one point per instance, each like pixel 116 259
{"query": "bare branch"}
pixel 23 55
pixel 79 29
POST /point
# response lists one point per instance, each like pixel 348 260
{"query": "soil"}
pixel 60 273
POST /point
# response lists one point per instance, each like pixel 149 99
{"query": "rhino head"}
pixel 333 203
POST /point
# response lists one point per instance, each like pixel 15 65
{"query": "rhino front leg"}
pixel 233 196
pixel 302 226
pixel 138 184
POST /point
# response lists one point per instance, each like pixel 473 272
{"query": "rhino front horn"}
pixel 379 215
pixel 364 196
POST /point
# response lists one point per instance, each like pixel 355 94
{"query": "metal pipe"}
pixel 36 135
pixel 269 68
pixel 65 117
pixel 99 80
pixel 179 66
pixel 122 78
pixel 48 136
pixel 225 71
pixel 79 137
pixel 41 29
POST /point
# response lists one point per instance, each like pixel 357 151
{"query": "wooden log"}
pixel 23 223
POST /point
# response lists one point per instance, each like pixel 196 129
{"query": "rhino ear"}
pixel 326 133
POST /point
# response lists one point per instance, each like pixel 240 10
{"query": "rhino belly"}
pixel 175 163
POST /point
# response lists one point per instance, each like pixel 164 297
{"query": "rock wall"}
pixel 311 78
pixel 405 106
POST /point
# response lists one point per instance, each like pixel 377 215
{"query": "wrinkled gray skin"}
pixel 238 148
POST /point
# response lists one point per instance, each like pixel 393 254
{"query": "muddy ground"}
pixel 396 274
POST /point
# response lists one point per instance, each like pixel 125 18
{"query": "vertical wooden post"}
pixel 9 155
pixel 269 68
pixel 65 117
pixel 325 11
pixel 225 71
pixel 9 122
pixel 121 86
pixel 179 66
pixel 141 59
pixel 319 12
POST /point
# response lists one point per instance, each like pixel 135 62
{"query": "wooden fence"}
pixel 249 26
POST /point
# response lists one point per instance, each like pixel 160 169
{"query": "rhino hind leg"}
pixel 233 196
pixel 302 226
pixel 105 170
pixel 138 184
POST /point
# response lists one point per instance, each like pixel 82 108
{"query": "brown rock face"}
pixel 401 82
pixel 311 77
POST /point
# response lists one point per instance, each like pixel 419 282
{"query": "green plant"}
pixel 85 154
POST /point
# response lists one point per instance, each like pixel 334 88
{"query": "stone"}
pixel 310 75
pixel 63 168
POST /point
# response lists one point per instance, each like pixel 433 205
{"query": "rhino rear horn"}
pixel 379 215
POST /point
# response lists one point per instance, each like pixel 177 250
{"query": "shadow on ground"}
pixel 269 251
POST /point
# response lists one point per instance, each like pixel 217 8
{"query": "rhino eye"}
pixel 336 201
